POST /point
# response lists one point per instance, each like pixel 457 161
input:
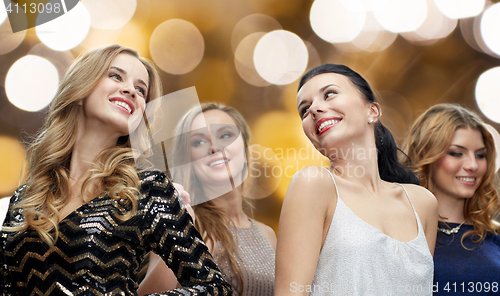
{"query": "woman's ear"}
pixel 375 113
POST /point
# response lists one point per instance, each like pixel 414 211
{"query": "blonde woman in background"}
pixel 211 159
pixel 455 155
pixel 85 218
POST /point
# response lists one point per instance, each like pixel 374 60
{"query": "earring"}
pixel 370 120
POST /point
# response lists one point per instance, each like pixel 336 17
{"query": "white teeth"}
pixel 327 123
pixel 218 162
pixel 466 179
pixel 123 104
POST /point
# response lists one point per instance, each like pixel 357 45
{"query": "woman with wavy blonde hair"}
pixel 455 155
pixel 85 217
pixel 210 160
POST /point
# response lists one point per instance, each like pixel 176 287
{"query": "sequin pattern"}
pixel 256 260
pixel 97 254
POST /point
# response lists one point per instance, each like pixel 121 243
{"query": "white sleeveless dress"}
pixel 358 259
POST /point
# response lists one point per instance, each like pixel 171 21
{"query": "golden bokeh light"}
pixel 399 16
pixel 457 9
pixel 435 27
pixel 243 60
pixel 12 156
pixel 139 40
pixel 176 46
pixel 254 23
pixel 110 14
pixel 31 83
pixel 280 57
pixel 9 41
pixel 487 90
pixel 67 31
pixel 337 21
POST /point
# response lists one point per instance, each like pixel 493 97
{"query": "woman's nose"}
pixel 471 163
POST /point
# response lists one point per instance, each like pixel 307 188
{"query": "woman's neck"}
pixel 450 209
pixel 357 163
pixel 85 151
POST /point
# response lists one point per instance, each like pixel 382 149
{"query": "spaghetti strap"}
pixel 336 187
pixel 407 195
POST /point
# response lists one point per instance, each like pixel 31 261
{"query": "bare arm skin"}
pixel 304 222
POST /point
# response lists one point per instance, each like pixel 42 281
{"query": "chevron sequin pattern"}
pixel 97 254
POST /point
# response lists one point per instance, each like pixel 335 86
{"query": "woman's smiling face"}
pixel 460 171
pixel 217 149
pixel 333 111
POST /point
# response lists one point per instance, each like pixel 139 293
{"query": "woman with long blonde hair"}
pixel 210 160
pixel 451 149
pixel 86 217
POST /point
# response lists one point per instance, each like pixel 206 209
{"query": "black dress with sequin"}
pixel 97 254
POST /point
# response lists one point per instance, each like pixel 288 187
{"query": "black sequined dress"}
pixel 97 254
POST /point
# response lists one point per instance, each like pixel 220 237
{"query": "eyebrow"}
pixel 125 73
pixel 320 91
pixel 462 147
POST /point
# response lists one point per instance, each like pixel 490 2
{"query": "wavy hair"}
pixel 390 169
pixel 49 155
pixel 211 221
pixel 429 139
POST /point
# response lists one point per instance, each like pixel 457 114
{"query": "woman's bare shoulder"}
pixel 423 200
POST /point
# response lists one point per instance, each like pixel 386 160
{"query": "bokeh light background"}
pixel 249 54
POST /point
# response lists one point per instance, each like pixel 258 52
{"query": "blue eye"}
pixel 141 90
pixel 226 135
pixel 197 143
pixel 115 76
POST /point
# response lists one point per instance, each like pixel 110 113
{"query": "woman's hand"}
pixel 185 198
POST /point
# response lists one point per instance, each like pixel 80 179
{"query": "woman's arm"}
pixel 158 277
pixel 168 230
pixel 303 226
pixel 426 205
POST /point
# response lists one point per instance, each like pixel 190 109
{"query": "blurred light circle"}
pixel 253 23
pixel 31 83
pixel 97 37
pixel 487 90
pixel 8 40
pixel 374 41
pixel 490 28
pixel 177 46
pixel 110 14
pixel 140 41
pixel 374 37
pixel 243 60
pixel 12 158
pixel 67 31
pixel 467 30
pixel 3 12
pixel 337 21
pixel 478 36
pixel 400 16
pixel 496 139
pixel 456 9
pixel 280 57
pixel 435 26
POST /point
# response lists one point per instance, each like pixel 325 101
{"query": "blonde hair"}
pixel 429 139
pixel 211 221
pixel 49 156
